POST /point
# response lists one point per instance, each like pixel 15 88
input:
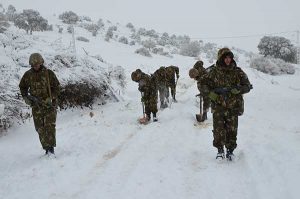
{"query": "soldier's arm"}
pixel 54 85
pixel 176 71
pixel 244 82
pixel 24 85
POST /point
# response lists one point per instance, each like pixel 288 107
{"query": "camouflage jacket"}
pixel 171 71
pixel 160 77
pixel 36 83
pixel 147 86
pixel 226 77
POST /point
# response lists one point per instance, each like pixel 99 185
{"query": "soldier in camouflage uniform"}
pixel 225 85
pixel 171 71
pixel 196 73
pixel 147 86
pixel 43 87
pixel 161 82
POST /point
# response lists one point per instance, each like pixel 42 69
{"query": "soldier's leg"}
pixel 219 129
pixel 153 106
pixel 147 109
pixel 231 133
pixel 206 104
pixel 39 124
pixel 173 91
pixel 50 124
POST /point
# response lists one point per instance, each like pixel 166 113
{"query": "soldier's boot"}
pixel 51 150
pixel 46 151
pixel 204 116
pixel 163 105
pixel 154 117
pixel 174 99
pixel 148 117
pixel 229 154
pixel 220 154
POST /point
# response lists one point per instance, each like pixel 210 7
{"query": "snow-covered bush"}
pixel 81 38
pixel 93 28
pixel 277 47
pixel 69 17
pixel 110 33
pixel 191 49
pixel 118 73
pixel 85 18
pixel 136 37
pixel 123 40
pixel 143 51
pixel 164 39
pixel 81 93
pixel 30 20
pixel 149 44
pixel 132 43
pixel 272 66
pixel 100 23
pixel 70 29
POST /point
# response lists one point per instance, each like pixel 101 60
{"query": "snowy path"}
pixel 111 156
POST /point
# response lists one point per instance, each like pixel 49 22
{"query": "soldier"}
pixel 43 87
pixel 225 85
pixel 197 72
pixel 160 78
pixel 171 71
pixel 147 87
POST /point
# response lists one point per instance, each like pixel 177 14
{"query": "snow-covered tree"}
pixel 149 44
pixel 143 51
pixel 191 49
pixel 69 17
pixel 31 20
pixel 11 13
pixel 164 39
pixel 123 40
pixel 277 47
pixel 131 27
pixel 110 33
pixel 3 23
pixel 93 28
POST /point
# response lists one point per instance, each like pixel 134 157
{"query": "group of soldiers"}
pixel 161 81
pixel 221 87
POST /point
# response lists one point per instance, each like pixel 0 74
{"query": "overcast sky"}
pixel 196 18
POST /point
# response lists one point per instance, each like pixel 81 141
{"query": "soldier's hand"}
pixel 48 102
pixel 235 91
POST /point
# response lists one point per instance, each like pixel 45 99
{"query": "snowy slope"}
pixel 111 156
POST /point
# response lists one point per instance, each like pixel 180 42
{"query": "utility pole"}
pixel 298 47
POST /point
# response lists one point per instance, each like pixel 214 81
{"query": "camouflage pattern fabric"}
pixel 171 71
pixel 147 86
pixel 225 108
pixel 35 83
pixel 161 82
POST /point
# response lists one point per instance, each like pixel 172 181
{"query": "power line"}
pixel 244 36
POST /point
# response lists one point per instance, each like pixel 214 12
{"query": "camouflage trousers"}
pixel 150 105
pixel 172 86
pixel 44 122
pixel 206 103
pixel 163 91
pixel 225 127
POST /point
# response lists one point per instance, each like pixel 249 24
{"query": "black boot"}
pixel 154 117
pixel 220 153
pixel 229 154
pixel 204 116
pixel 51 150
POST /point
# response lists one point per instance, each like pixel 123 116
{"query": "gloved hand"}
pixel 235 91
pixel 48 102
pixel 217 98
pixel 213 96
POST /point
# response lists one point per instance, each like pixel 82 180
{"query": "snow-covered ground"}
pixel 111 156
